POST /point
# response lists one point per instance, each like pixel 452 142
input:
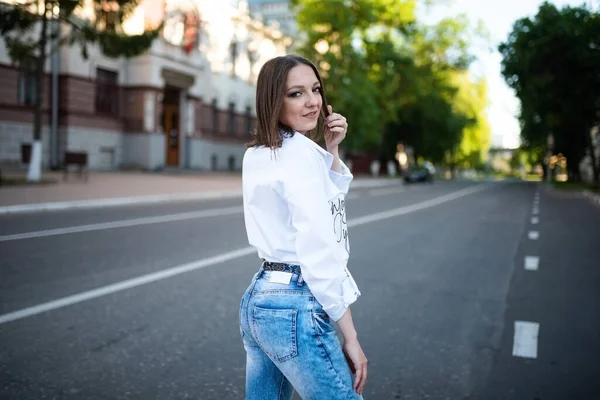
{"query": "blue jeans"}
pixel 290 343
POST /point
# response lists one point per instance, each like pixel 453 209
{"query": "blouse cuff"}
pixel 350 294
pixel 341 180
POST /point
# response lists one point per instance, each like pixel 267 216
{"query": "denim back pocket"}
pixel 275 331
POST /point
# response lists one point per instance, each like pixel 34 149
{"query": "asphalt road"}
pixel 142 302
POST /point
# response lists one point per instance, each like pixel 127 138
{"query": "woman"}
pixel 294 210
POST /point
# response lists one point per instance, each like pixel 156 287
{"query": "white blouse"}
pixel 294 210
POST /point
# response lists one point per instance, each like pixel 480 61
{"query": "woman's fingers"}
pixel 363 380
pixel 335 117
pixel 357 379
pixel 337 122
pixel 360 378
pixel 337 129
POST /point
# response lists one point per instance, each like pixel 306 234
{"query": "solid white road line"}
pixel 123 285
pixel 383 192
pixel 416 207
pixel 216 212
pixel 535 220
pixel 118 201
pixel 534 235
pixel 532 263
pixel 231 255
pixel 525 342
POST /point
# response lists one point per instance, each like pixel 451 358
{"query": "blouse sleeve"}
pixel 342 180
pixel 322 262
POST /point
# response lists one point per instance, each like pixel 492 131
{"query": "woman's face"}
pixel 302 99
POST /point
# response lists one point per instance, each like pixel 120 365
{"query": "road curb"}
pixel 118 201
pixel 594 197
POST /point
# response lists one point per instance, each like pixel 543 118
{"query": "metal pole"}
pixel 54 156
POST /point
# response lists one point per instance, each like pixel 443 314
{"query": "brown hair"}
pixel 270 90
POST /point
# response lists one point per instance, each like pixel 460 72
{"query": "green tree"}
pixel 552 62
pixel 33 30
pixel 395 79
pixel 471 101
pixel 355 45
pixel 442 114
pixel 428 122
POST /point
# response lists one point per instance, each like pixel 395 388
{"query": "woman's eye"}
pixel 298 94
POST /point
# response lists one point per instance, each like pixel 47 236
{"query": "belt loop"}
pixel 300 280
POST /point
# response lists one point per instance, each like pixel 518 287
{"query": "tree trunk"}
pixel 574 173
pixel 453 164
pixel 595 166
pixel 35 164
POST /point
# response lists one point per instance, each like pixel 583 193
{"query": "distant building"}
pixel 277 13
pixel 187 103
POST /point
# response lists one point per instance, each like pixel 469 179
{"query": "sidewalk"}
pixel 105 189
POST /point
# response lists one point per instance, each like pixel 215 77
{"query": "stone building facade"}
pixel 188 102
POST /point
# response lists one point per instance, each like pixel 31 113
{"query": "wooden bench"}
pixel 78 158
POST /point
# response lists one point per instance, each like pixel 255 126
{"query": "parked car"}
pixel 423 173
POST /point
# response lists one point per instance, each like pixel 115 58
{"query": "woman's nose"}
pixel 313 99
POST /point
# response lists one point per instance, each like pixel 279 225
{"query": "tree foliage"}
pixel 352 43
pixel 397 80
pixel 19 22
pixel 34 30
pixel 552 62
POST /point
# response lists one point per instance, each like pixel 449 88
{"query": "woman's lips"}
pixel 312 114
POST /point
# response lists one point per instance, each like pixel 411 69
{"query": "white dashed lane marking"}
pixel 525 342
pixel 532 263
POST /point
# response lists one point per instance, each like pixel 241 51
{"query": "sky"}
pixel 498 19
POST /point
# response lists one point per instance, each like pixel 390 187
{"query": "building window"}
pixel 231 122
pixel 27 88
pixel 107 15
pixel 215 116
pixel 248 120
pixel 107 92
pixel 233 52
